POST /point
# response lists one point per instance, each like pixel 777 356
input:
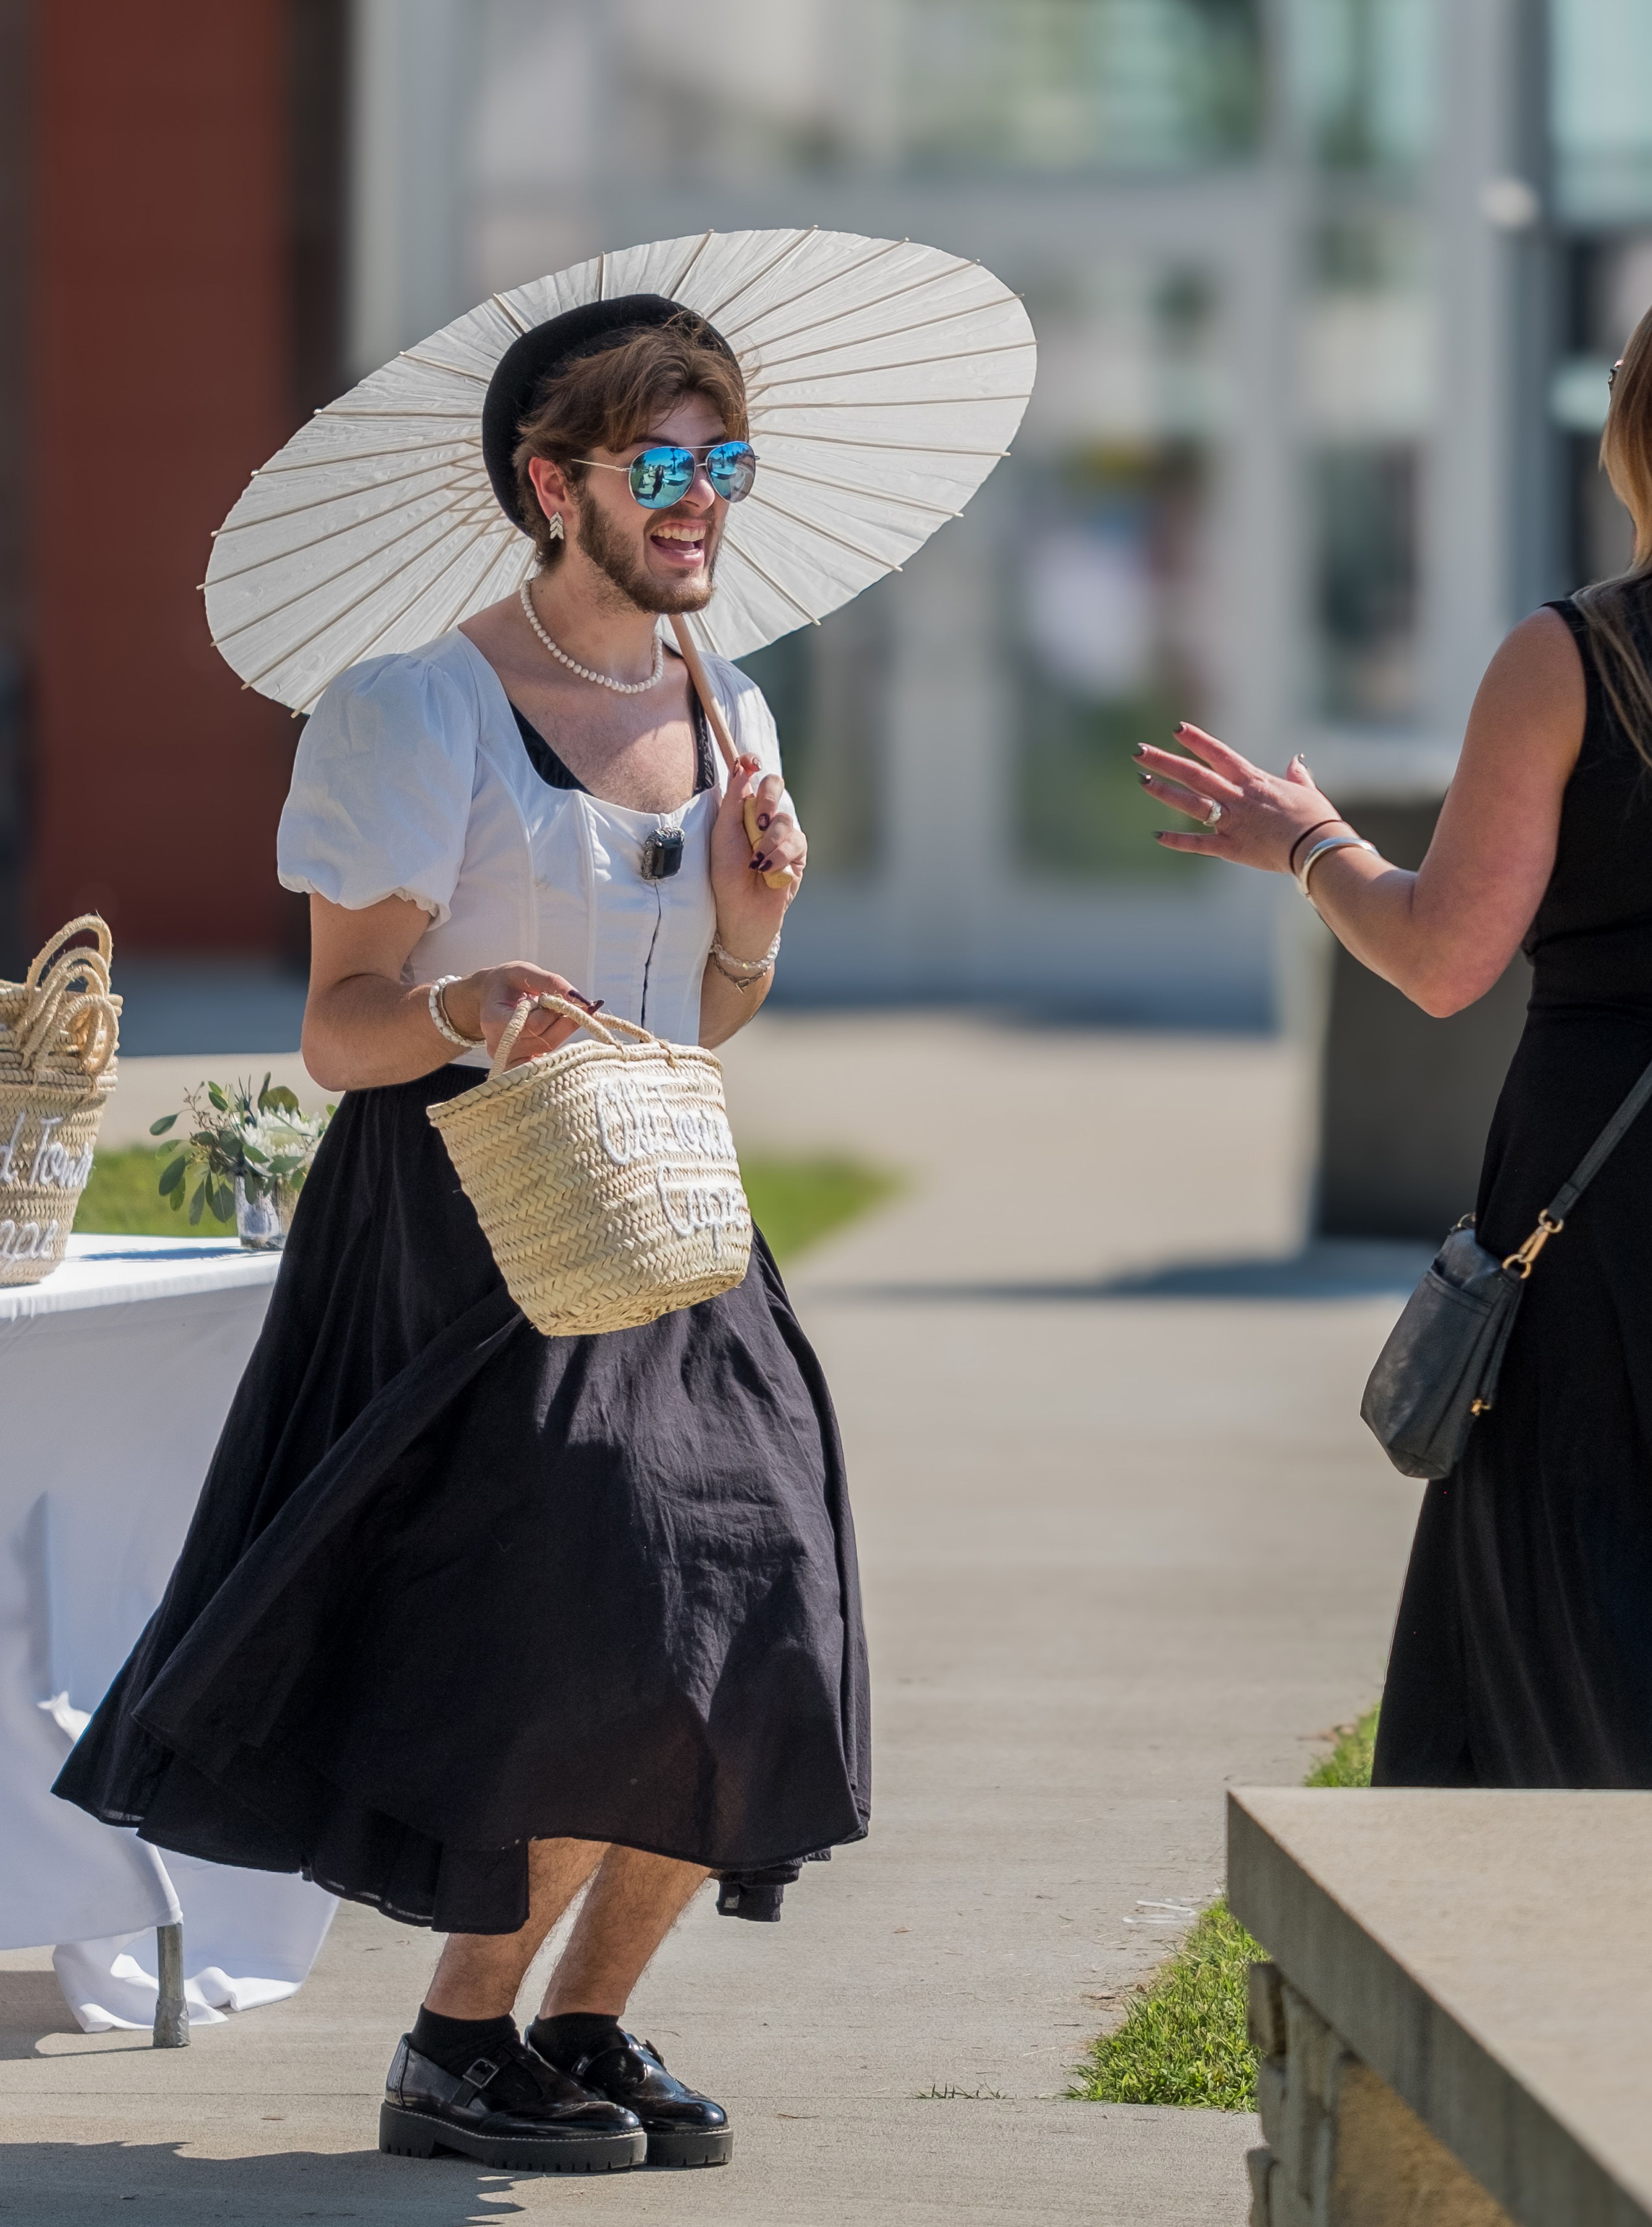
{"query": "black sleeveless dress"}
pixel 452 1585
pixel 1522 1656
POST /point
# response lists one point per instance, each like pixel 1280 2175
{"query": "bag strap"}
pixel 1554 1213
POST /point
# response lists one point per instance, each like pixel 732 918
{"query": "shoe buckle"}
pixel 478 2075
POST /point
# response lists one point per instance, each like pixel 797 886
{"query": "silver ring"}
pixel 1213 814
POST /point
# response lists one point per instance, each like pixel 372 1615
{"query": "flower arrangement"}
pixel 247 1150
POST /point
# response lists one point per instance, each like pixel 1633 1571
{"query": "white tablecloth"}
pixel 115 1376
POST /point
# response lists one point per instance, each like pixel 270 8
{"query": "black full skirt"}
pixel 1522 1656
pixel 452 1585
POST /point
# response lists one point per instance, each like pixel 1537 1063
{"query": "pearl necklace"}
pixel 603 680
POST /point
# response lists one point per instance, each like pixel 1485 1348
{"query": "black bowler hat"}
pixel 530 363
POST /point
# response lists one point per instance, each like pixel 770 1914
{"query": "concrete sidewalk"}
pixel 1123 1540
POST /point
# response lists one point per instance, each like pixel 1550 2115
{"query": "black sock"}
pixel 573 2034
pixel 456 2044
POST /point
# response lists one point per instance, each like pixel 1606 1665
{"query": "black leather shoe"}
pixel 683 2128
pixel 510 2109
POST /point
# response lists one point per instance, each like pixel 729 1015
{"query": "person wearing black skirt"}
pixel 1522 1653
pixel 469 1619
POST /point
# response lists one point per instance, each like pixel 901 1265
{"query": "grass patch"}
pixel 1348 1763
pixel 1184 2039
pixel 121 1199
pixel 796 1201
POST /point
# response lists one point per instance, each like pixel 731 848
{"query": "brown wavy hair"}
pixel 1611 607
pixel 611 398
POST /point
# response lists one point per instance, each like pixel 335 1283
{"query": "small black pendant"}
pixel 662 854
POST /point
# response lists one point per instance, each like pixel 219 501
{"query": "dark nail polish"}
pixel 762 819
pixel 1146 779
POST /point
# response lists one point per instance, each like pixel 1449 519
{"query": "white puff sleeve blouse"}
pixel 411 779
pixel 382 789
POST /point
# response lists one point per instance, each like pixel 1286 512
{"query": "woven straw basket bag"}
pixel 604 1176
pixel 58 1028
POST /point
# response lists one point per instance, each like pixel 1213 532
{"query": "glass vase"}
pixel 262 1223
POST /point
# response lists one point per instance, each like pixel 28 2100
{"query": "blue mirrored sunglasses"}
pixel 660 477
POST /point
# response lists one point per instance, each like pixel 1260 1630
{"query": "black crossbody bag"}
pixel 1440 1368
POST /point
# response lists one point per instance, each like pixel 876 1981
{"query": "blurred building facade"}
pixel 1325 290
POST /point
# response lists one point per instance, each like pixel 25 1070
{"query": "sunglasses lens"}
pixel 662 476
pixel 731 466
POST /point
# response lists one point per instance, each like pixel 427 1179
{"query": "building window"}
pixel 1364 540
pixel 1131 85
pixel 828 687
pixel 1362 74
pixel 1600 109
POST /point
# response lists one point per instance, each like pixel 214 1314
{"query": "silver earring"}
pixel 553 529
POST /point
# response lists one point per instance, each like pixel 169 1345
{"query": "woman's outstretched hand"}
pixel 1263 815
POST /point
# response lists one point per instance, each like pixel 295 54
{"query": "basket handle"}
pixel 600 1030
pixel 87 920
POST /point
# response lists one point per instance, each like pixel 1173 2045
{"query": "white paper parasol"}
pixel 885 381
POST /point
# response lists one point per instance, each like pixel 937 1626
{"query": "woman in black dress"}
pixel 1522 1655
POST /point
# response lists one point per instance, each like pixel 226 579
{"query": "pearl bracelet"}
pixel 438 1004
pixel 742 972
pixel 1329 843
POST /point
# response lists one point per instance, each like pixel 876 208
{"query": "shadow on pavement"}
pixel 1334 1268
pixel 31 2007
pixel 73 2184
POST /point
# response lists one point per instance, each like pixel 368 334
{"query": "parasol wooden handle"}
pixel 719 726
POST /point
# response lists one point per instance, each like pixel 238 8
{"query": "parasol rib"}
pixel 454 370
pixel 757 276
pixel 233 525
pixel 334 461
pixel 336 410
pixel 330 579
pixel 832 278
pixel 746 557
pixel 849 487
pixel 814 526
pixel 895 333
pixel 675 288
pixel 332 533
pixel 910 363
pixel 381 627
pixel 506 310
pixel 902 448
pixel 899 402
pixel 912 286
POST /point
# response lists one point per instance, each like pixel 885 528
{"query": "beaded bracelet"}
pixel 438 1004
pixel 742 972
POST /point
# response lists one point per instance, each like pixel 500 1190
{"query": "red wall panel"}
pixel 161 376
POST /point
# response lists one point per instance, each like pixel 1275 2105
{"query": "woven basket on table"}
pixel 58 1028
pixel 604 1176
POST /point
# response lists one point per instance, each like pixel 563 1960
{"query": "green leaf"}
pixel 224 1203
pixel 159 1128
pixel 217 1098
pixel 259 1158
pixel 196 1206
pixel 280 1099
pixel 172 1177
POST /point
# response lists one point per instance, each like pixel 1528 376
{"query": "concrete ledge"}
pixel 1486 1954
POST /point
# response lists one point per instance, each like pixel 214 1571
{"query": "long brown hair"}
pixel 1607 605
